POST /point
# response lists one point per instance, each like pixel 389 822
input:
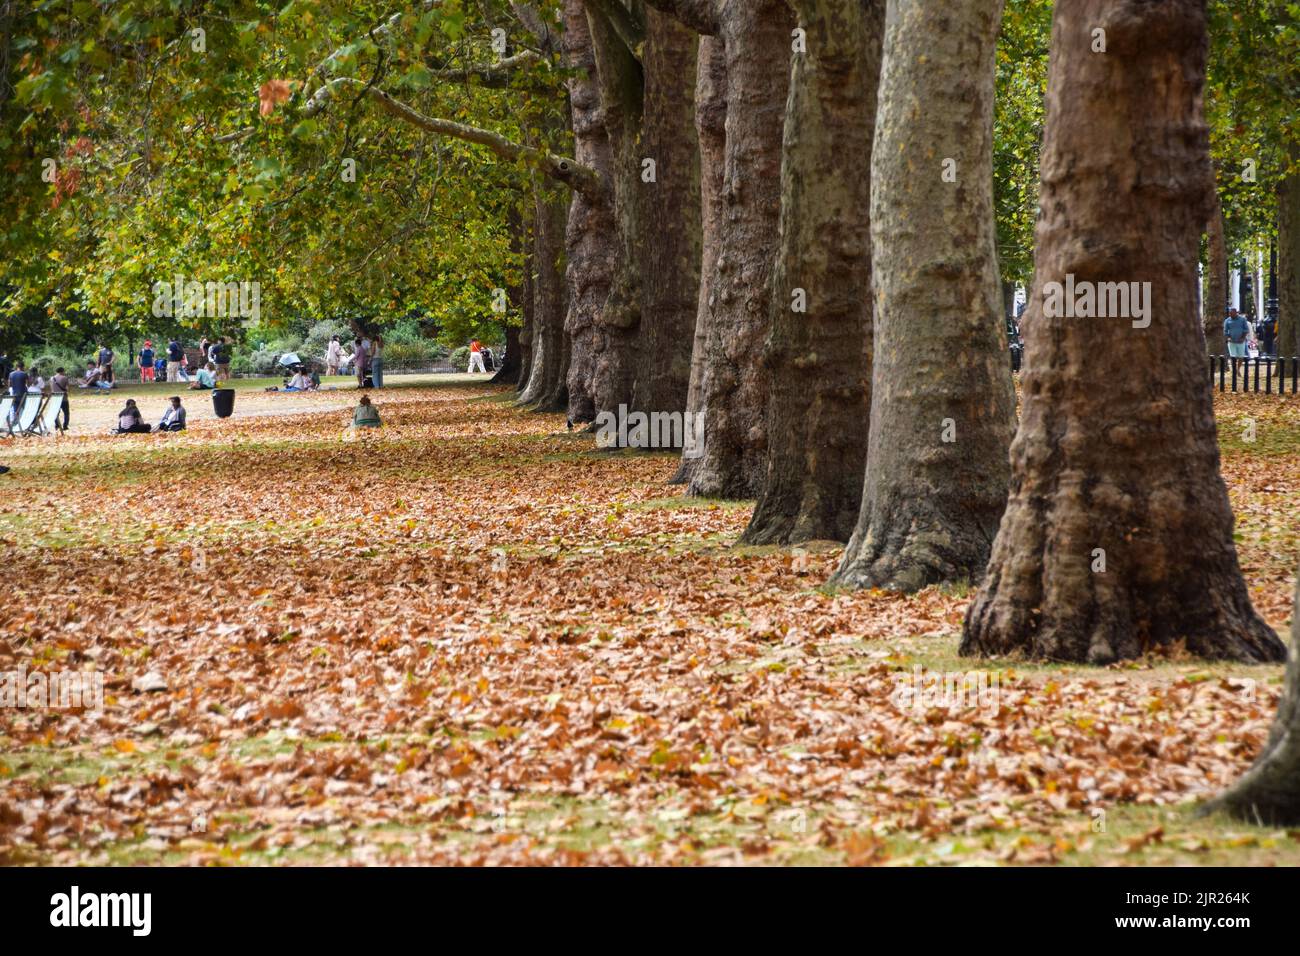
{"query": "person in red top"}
pixel 476 357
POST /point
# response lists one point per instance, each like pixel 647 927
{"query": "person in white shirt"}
pixel 173 419
pixel 333 356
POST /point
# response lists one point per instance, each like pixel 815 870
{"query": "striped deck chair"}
pixel 6 409
pixel 29 414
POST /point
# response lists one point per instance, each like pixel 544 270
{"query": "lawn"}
pixel 470 637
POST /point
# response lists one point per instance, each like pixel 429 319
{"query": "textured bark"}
pixel 1105 458
pixel 818 358
pixel 1288 260
pixel 591 235
pixel 669 247
pixel 1215 307
pixel 711 133
pixel 943 403
pixel 508 371
pixel 546 390
pixel 1269 793
pixel 734 386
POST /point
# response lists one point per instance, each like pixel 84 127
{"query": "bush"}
pixel 460 359
pixel 318 339
pixel 50 359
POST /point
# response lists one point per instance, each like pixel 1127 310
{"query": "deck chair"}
pixel 6 409
pixel 29 413
pixel 49 415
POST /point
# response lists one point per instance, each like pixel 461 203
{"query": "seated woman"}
pixel 173 419
pixel 300 382
pixel 366 415
pixel 130 421
pixel 207 377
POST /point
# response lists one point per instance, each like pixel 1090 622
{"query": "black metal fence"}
pixel 1264 373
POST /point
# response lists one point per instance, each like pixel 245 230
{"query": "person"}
pixel 59 387
pixel 175 353
pixel 160 369
pixel 475 357
pixel 36 381
pixel 333 353
pixel 365 415
pixel 221 357
pixel 146 362
pixel 130 421
pixel 183 372
pixel 94 377
pixel 377 361
pixel 205 347
pixel 105 358
pixel 207 377
pixel 1235 331
pixel 361 358
pixel 173 419
pixel 299 383
pixel 17 388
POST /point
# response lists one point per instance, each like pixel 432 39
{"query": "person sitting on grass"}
pixel 173 419
pixel 94 378
pixel 207 377
pixel 130 421
pixel 365 415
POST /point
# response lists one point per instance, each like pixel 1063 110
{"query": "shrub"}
pixel 460 358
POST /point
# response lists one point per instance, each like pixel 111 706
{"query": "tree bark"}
pixel 818 353
pixel 670 245
pixel 1288 260
pixel 1215 307
pixel 1109 465
pixel 711 133
pixel 546 390
pixel 1269 793
pixel 756 35
pixel 591 235
pixel 943 404
pixel 508 371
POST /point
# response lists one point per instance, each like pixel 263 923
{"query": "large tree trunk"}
pixel 591 235
pixel 756 35
pixel 1288 260
pixel 670 244
pixel 1117 537
pixel 711 131
pixel 508 370
pixel 818 354
pixel 1269 793
pixel 1215 307
pixel 943 404
pixel 546 390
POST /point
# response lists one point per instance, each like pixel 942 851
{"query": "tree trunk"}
pixel 546 390
pixel 508 372
pixel 1008 300
pixel 943 404
pixel 1215 307
pixel 591 236
pixel 670 218
pixel 711 131
pixel 756 35
pixel 1288 260
pixel 1269 793
pixel 818 354
pixel 1117 537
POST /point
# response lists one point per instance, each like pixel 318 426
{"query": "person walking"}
pixel 1235 332
pixel 475 357
pixel 59 387
pixel 222 351
pixel 174 355
pixel 18 389
pixel 146 362
pixel 377 360
pixel 333 356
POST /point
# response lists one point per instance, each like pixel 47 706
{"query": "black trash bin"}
pixel 223 402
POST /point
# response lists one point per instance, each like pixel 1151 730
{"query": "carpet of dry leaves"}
pixel 472 638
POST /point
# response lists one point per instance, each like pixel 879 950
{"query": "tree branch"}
pixel 573 174
pixel 700 15
pixel 628 26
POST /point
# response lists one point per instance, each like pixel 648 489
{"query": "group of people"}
pixel 131 422
pixel 1247 339
pixel 367 359
pixel 21 382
